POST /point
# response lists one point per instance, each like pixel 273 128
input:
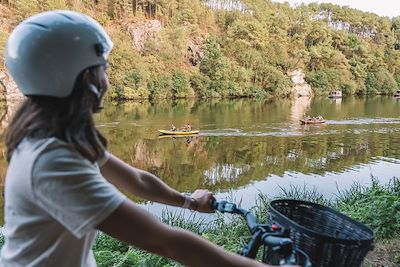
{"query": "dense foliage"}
pixel 246 47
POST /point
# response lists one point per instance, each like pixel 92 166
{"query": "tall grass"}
pixel 377 206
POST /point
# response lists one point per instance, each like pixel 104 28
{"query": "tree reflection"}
pixel 220 161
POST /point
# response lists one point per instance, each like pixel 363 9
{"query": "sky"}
pixel 389 8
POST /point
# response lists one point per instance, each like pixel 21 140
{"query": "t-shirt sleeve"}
pixel 104 159
pixel 72 190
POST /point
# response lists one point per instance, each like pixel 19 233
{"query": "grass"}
pixel 377 206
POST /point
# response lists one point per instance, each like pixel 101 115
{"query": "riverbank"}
pixel 188 48
pixel 376 206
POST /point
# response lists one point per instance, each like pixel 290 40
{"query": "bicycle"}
pixel 278 247
pixel 304 233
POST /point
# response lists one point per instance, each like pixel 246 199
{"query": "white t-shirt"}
pixel 54 198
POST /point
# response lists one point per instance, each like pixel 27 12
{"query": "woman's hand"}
pixel 202 200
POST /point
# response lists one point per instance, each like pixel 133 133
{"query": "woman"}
pixel 60 183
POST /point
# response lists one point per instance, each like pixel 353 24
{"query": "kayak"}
pixel 312 121
pixel 178 132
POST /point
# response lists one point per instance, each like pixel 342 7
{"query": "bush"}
pixel 106 258
pixel 180 85
pixel 160 87
pixel 200 84
pixel 325 80
pixel 319 81
pixel 380 81
pixel 377 206
pixel 277 82
pixel 105 242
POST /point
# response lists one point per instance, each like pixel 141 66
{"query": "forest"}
pixel 245 48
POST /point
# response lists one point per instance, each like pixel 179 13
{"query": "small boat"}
pixel 312 121
pixel 186 136
pixel 335 94
pixel 397 93
pixel 178 132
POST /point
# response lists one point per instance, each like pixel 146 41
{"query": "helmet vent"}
pixel 99 49
pixel 66 16
pixel 38 25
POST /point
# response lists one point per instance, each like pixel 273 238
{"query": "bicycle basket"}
pixel 331 239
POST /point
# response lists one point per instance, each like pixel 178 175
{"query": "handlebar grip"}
pixel 277 241
pixel 224 206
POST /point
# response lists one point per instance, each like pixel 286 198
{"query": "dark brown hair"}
pixel 69 119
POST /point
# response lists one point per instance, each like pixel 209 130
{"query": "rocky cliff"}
pixel 10 98
pixel 300 86
pixel 142 32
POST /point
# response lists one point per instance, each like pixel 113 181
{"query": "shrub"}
pixel 200 84
pixel 180 85
pixel 377 206
pixel 380 81
pixel 160 87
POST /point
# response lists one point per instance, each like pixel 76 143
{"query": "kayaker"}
pixel 173 128
pixel 61 182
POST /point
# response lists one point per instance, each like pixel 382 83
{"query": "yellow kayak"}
pixel 178 132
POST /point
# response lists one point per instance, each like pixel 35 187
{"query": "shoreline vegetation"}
pixel 377 206
pixel 231 48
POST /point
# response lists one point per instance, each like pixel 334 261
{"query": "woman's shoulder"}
pixel 40 144
pixel 47 149
pixel 58 156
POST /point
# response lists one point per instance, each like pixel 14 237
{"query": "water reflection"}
pixel 247 146
pixel 300 107
pixel 242 141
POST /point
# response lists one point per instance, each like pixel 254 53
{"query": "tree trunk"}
pixel 134 7
pixel 69 3
pixel 110 8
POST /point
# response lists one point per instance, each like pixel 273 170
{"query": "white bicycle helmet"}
pixel 46 52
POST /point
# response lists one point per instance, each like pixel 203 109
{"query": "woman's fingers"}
pixel 204 199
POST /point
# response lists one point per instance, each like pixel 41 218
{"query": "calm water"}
pixel 249 146
pixel 246 146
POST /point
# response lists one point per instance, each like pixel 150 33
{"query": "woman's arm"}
pixel 135 226
pixel 149 186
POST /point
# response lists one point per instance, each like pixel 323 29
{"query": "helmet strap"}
pixel 93 88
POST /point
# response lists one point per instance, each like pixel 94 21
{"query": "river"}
pixel 249 146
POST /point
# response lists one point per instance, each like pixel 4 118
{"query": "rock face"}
pixel 195 52
pixel 10 98
pixel 141 32
pixel 145 31
pixel 300 86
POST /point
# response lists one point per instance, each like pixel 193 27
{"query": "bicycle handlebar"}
pixel 228 207
pixel 278 246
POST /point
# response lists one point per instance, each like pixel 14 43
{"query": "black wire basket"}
pixel 331 239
